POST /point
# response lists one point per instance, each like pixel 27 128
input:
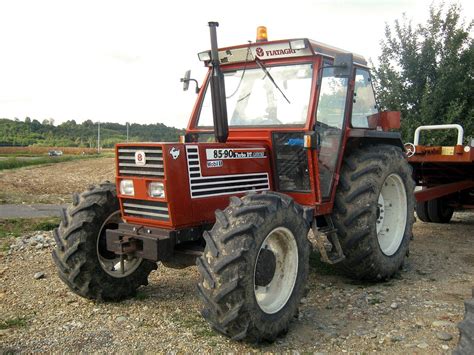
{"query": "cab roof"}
pixel 289 48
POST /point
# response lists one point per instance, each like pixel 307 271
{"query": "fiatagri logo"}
pixel 274 52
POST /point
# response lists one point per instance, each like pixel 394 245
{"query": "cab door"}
pixel 330 125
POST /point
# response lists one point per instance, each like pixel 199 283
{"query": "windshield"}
pixel 254 100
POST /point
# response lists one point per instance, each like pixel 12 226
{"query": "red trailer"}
pixel 444 175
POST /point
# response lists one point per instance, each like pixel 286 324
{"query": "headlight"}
pixel 204 56
pixel 156 189
pixel 126 187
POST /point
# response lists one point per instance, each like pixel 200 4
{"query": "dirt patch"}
pixel 53 183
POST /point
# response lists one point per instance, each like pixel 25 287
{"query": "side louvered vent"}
pixel 206 186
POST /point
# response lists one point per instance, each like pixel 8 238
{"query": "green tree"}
pixel 426 72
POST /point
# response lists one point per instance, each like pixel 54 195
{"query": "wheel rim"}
pixel 109 261
pixel 391 214
pixel 274 287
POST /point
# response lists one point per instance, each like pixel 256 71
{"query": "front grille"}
pixel 153 159
pixel 146 209
pixel 206 186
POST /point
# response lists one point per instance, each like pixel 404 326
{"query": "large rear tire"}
pixel 81 256
pixel 466 330
pixel 374 212
pixel 254 267
pixel 439 211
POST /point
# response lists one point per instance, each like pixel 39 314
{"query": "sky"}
pixel 121 61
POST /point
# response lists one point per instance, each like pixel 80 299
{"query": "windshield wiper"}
pixel 267 73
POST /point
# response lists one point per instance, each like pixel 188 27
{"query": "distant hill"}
pixel 72 134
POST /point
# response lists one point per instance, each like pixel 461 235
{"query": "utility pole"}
pixel 127 131
pixel 98 137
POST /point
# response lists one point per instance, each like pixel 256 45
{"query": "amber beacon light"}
pixel 262 34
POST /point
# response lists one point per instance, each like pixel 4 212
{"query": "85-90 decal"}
pixel 246 153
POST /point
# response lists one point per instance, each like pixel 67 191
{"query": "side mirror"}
pixel 343 64
pixel 185 80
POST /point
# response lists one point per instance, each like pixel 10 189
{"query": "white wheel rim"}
pixel 391 214
pixel 272 297
pixel 112 265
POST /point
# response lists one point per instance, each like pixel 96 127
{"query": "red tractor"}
pixel 285 137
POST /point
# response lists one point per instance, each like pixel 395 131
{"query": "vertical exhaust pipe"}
pixel 219 106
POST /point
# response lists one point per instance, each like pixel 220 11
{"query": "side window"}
pixel 364 103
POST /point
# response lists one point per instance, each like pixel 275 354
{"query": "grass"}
pixel 14 162
pixel 141 296
pixel 15 227
pixel 194 322
pixel 17 322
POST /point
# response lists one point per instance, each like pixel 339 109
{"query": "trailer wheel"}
pixel 439 211
pixel 374 212
pixel 422 211
pixel 254 267
pixel 83 261
pixel 466 330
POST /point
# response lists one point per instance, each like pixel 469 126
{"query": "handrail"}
pixel 440 126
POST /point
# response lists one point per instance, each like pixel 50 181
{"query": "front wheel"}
pixel 373 211
pixel 254 267
pixel 81 255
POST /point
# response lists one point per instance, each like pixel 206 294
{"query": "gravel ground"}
pixel 416 312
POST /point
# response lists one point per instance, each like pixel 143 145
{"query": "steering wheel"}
pixel 411 149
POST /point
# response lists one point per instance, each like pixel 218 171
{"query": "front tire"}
pixel 81 256
pixel 373 212
pixel 254 267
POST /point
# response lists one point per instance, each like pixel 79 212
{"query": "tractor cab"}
pixel 296 96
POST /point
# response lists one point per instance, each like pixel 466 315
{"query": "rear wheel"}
pixel 254 267
pixel 439 211
pixel 373 211
pixel 81 254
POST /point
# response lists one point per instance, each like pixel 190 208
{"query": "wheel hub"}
pixel 391 214
pixel 276 270
pixel 111 263
pixel 265 269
